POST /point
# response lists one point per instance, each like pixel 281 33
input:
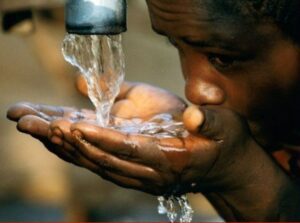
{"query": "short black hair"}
pixel 284 13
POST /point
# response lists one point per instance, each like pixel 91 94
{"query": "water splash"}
pixel 175 207
pixel 101 61
pixel 161 126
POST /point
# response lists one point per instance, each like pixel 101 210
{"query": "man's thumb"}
pixel 202 121
pixel 193 118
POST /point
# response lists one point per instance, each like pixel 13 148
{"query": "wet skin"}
pixel 244 77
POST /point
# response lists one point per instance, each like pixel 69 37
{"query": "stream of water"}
pixel 101 60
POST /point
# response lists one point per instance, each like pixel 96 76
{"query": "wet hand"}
pixel 212 156
pixel 34 119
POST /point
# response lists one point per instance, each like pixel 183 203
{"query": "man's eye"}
pixel 221 61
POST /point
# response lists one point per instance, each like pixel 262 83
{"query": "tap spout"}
pixel 90 17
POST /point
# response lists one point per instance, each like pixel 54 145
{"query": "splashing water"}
pixel 172 205
pixel 101 60
pixel 161 126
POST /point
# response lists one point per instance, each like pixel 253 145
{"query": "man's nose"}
pixel 201 92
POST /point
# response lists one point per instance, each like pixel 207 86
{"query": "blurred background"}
pixel 34 184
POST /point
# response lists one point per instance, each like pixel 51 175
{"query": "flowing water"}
pixel 101 60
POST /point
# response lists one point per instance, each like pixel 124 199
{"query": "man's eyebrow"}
pixel 210 43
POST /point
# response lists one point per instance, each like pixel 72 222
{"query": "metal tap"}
pixel 88 17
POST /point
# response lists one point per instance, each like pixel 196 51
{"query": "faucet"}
pixel 89 17
pixel 84 17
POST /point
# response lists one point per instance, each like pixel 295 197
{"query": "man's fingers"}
pixel 125 89
pixel 57 150
pixel 101 137
pixel 60 134
pixel 60 131
pixel 33 125
pixel 69 156
pixel 114 164
pixel 15 112
pixel 39 129
pixel 110 168
pixel 124 109
pixel 132 147
pixel 139 149
pixel 46 112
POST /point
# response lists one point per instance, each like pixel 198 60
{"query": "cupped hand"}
pixel 206 158
pixel 135 100
pixel 140 100
pixel 210 157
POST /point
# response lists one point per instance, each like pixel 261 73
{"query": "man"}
pixel 240 61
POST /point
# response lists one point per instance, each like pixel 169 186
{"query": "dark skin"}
pixel 242 76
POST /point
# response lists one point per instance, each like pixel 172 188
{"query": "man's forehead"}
pixel 220 8
pixel 175 10
pixel 186 19
pixel 183 4
pixel 206 10
pixel 186 16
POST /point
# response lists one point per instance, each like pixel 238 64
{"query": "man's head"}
pixel 238 54
pixel 284 13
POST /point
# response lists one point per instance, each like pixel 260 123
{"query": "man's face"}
pixel 232 62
